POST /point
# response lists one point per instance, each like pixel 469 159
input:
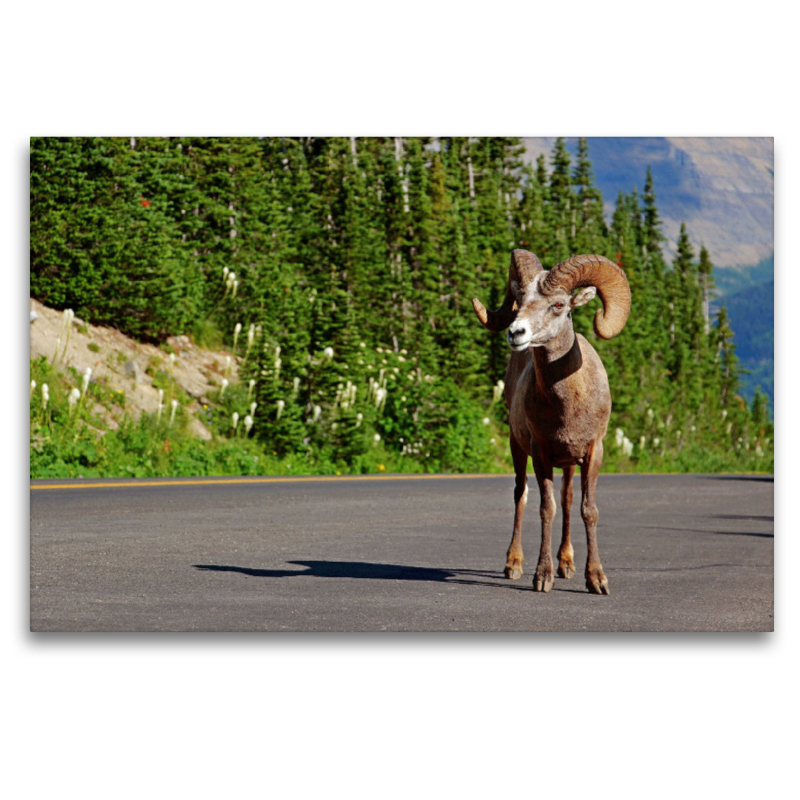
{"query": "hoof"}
pixel 513 569
pixel 543 580
pixel 566 569
pixel 597 583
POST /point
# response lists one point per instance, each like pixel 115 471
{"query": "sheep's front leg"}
pixel 543 579
pixel 566 560
pixel 514 557
pixel 596 581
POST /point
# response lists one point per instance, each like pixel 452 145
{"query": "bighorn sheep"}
pixel 556 389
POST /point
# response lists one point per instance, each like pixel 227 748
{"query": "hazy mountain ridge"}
pixel 722 187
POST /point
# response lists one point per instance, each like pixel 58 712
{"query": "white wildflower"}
pixel 253 407
pixel 729 427
pixel 45 395
pixel 317 412
pixel 359 418
pixel 619 435
pixel 497 390
pixel 362 344
pixel 228 364
pixel 250 387
pixel 248 424
pixel 627 446
pixel 724 413
pixel 376 438
pixel 172 414
pixel 225 272
pixel 73 398
pixel 656 442
pixel 236 331
pixel 486 420
pixel 642 442
pixel 251 335
pixel 224 387
pixel 235 287
pixel 650 414
pixel 33 387
pixel 235 420
pixel 280 404
pixel 295 387
pixel 328 353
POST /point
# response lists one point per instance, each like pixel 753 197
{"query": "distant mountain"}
pixel 722 187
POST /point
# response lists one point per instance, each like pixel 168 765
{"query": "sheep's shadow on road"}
pixel 370 571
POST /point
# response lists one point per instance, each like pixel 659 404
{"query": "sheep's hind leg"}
pixel 543 579
pixel 514 557
pixel 596 581
pixel 566 560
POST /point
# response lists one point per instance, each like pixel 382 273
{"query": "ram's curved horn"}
pixel 524 265
pixel 610 282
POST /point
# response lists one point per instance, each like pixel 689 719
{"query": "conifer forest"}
pixel 340 273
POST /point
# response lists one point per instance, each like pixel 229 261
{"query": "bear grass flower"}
pixel 497 390
pixel 280 404
pixel 73 398
pixel 224 387
pixel 45 395
pixel 248 424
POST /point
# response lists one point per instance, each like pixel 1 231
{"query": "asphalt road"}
pixel 682 553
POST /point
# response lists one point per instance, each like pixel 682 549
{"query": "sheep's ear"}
pixel 582 297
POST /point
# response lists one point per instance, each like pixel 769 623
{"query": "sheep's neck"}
pixel 557 359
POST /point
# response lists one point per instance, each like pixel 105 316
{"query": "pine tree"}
pixel 561 202
pixel 590 227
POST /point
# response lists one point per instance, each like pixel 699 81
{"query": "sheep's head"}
pixel 537 304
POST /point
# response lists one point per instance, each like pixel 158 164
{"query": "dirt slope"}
pixel 122 362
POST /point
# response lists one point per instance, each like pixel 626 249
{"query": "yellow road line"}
pixel 211 481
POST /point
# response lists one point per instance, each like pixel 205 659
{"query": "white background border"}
pixel 608 715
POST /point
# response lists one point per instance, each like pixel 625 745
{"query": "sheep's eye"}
pixel 559 306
